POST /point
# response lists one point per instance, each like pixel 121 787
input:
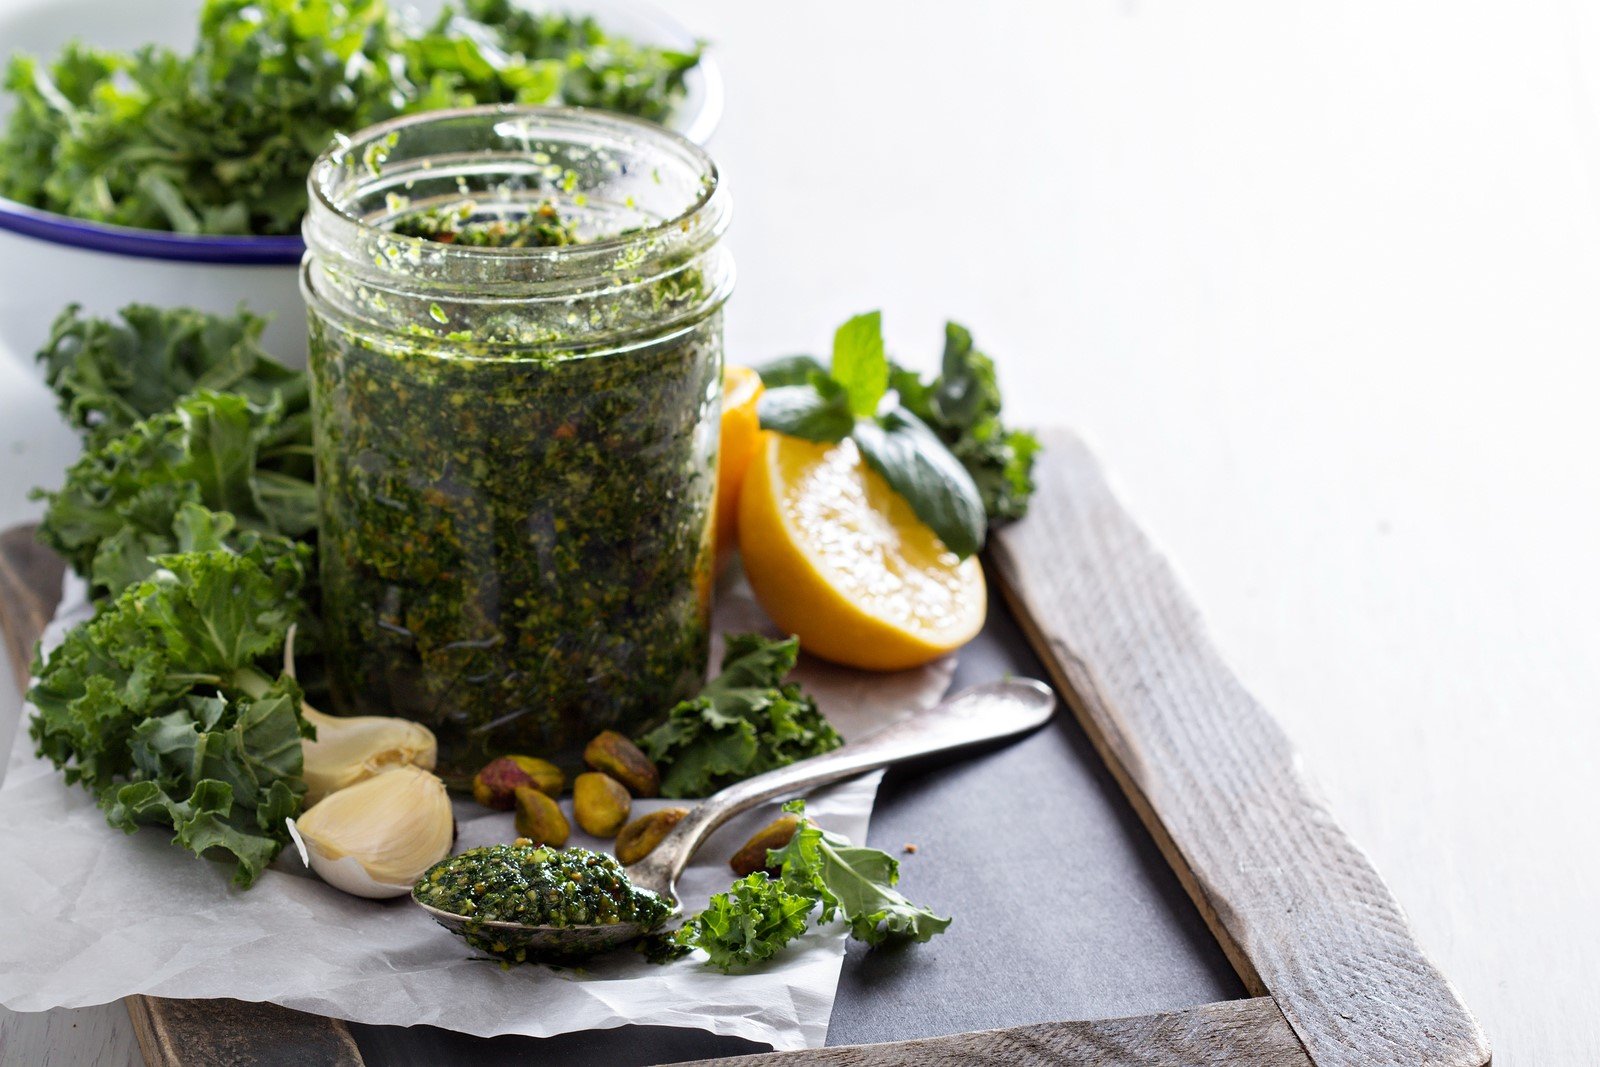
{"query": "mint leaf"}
pixel 918 466
pixel 818 411
pixel 859 363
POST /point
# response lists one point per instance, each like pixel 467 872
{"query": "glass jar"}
pixel 516 365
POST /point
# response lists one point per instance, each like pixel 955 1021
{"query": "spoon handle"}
pixel 986 712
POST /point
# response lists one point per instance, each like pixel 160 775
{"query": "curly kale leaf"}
pixel 749 923
pixel 120 502
pixel 222 774
pixel 109 375
pixel 219 140
pixel 852 881
pixel 962 406
pixel 497 50
pixel 157 704
pixel 744 722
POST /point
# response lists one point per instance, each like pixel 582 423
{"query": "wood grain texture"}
pixel 1213 1035
pixel 170 1032
pixel 1297 906
pixel 30 586
pixel 175 1033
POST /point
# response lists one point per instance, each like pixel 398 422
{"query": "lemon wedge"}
pixel 741 428
pixel 838 558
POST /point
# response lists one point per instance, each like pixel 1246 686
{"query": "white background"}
pixel 1318 282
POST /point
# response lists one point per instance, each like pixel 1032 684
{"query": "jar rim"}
pixel 361 184
pixel 710 205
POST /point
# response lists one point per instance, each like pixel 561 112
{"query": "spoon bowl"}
pixel 988 712
pixel 519 942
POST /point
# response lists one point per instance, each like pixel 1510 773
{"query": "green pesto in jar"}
pixel 516 364
pixel 515 547
pixel 536 886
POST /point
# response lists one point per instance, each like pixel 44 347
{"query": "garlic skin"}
pixel 377 837
pixel 350 750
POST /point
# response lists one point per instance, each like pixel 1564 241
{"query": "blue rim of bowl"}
pixel 148 244
pixel 246 250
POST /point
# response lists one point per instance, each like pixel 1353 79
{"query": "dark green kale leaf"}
pixel 749 923
pixel 120 501
pixel 962 406
pixel 219 140
pixel 497 50
pixel 223 774
pixel 158 706
pixel 108 375
pixel 745 722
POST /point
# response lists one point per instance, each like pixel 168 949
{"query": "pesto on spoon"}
pixel 604 913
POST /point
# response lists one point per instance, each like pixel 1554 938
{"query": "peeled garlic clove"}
pixel 377 837
pixel 349 750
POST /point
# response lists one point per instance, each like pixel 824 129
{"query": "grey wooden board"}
pixel 1114 935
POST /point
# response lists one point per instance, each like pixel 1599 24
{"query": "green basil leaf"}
pixel 859 363
pixel 819 411
pixel 918 466
pixel 790 370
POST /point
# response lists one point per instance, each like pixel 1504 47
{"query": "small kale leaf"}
pixel 222 774
pixel 745 722
pixel 749 923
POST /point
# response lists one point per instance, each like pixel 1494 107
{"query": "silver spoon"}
pixel 986 712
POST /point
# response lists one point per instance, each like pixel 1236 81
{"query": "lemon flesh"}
pixel 838 558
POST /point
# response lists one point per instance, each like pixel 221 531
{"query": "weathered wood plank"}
pixel 1297 906
pixel 1213 1035
pixel 30 586
pixel 173 1033
pixel 170 1032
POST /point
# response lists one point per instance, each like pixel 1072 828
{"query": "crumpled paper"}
pixel 94 915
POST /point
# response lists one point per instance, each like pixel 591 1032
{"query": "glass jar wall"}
pixel 516 363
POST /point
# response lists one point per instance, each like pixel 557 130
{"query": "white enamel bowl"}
pixel 49 260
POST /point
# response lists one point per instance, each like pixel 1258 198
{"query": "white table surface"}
pixel 1318 281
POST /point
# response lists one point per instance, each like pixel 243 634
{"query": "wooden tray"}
pixel 1333 973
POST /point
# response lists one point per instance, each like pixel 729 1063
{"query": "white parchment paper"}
pixel 92 915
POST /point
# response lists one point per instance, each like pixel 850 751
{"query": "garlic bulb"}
pixel 348 750
pixel 377 837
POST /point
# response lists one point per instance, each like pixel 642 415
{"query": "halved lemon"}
pixel 741 427
pixel 838 558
